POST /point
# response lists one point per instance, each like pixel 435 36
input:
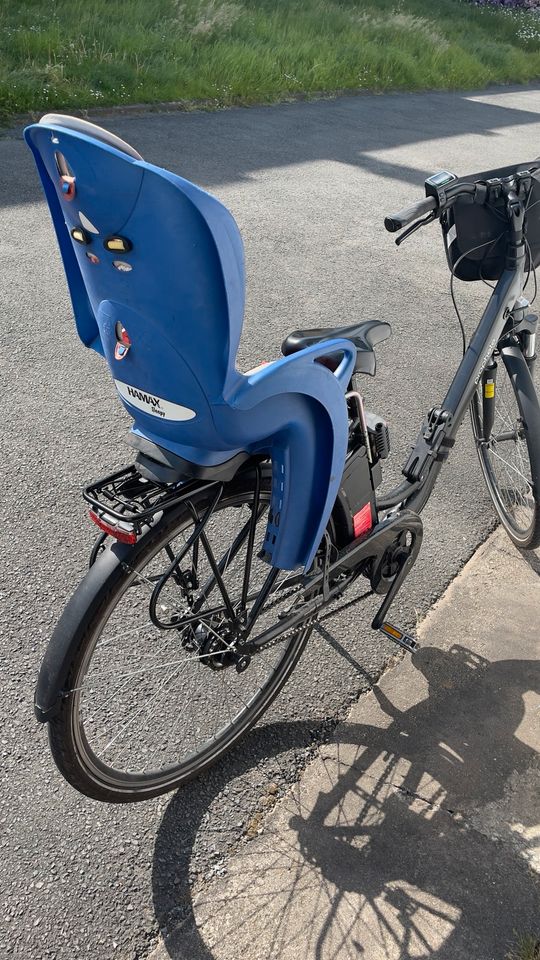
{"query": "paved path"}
pixel 415 831
pixel 309 184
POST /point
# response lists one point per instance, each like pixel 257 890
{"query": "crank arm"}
pixel 380 616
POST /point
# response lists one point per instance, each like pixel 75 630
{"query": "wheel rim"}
pixel 505 457
pixel 146 711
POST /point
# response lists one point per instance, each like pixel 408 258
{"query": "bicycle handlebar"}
pixel 398 220
pixel 443 189
pixel 440 200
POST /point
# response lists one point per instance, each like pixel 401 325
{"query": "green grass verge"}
pixel 82 53
pixel 527 948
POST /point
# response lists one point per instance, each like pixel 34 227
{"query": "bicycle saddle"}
pixel 155 269
pixel 365 336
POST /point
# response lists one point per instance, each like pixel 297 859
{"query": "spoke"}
pixel 508 456
pixel 159 666
pixel 144 670
pixel 146 702
pixel 512 467
pixel 152 585
pixel 133 673
pixel 143 709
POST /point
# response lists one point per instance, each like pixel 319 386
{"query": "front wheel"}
pixel 146 709
pixel 505 418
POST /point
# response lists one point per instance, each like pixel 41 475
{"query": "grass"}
pixel 527 948
pixel 69 54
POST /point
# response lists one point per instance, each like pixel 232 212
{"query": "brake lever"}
pixel 416 226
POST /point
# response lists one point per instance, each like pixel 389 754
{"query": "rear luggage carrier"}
pixel 124 502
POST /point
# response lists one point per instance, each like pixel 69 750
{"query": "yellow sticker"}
pixel 489 390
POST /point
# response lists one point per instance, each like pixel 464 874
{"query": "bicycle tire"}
pixel 512 476
pixel 69 732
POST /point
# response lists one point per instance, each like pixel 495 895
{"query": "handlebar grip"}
pixel 398 220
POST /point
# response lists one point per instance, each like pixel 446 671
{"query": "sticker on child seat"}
pixel 152 404
pixel 451 235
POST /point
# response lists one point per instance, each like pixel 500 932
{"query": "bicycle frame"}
pixel 439 430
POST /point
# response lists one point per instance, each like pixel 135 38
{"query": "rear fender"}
pixel 70 630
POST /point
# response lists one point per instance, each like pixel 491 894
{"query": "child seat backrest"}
pixel 156 275
pixel 149 251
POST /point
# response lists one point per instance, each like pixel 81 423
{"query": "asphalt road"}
pixel 309 184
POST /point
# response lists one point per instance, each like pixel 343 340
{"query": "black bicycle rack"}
pixel 129 499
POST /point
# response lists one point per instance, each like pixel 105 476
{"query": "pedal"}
pixel 400 637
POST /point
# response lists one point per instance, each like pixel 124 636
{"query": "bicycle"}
pixel 209 572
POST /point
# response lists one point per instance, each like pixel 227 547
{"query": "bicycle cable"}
pixel 488 243
pixel 531 267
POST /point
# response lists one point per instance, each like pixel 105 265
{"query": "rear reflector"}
pixel 362 521
pixel 124 536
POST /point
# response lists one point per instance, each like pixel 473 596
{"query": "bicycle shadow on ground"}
pixel 390 847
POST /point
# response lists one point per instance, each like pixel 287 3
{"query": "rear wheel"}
pixel 148 707
pixel 506 426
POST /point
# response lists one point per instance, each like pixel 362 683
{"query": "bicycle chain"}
pixel 294 630
pixel 288 633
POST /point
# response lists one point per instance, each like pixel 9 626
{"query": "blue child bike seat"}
pixel 155 270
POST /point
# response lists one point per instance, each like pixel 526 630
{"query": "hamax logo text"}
pixel 150 404
pixel 153 402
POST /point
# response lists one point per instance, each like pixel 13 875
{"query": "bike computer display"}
pixel 438 181
pixel 441 179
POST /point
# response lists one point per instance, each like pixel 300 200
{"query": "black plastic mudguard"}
pixel 71 628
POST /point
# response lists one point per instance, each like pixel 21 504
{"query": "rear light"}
pixel 121 533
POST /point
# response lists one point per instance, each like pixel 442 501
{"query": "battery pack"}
pixel 355 511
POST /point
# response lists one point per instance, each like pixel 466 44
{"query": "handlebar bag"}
pixel 476 237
